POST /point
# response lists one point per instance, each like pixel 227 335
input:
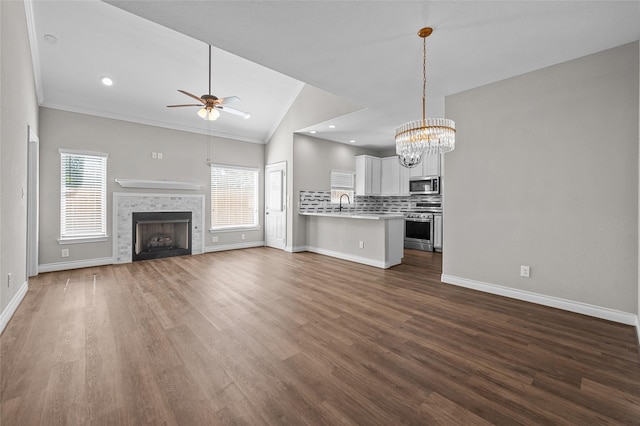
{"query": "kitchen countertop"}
pixel 355 215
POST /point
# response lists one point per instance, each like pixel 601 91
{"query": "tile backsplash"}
pixel 320 202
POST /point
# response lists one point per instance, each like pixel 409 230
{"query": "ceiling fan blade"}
pixel 174 106
pixel 233 111
pixel 229 100
pixel 189 94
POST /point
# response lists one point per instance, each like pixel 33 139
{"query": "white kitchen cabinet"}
pixel 429 166
pixel 395 178
pixel 390 184
pixel 437 232
pixel 368 175
pixel 404 179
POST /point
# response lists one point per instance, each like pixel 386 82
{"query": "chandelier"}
pixel 429 135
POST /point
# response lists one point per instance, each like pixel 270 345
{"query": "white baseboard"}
pixel 225 247
pixel 638 328
pixel 541 299
pixel 12 306
pixel 296 249
pixel 352 258
pixel 75 264
pixel 87 263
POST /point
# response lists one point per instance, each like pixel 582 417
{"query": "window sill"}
pixel 235 229
pixel 82 240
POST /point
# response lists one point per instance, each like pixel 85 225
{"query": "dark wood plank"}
pixel 262 337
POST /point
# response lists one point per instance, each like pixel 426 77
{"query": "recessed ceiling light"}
pixel 107 81
pixel 352 141
pixel 313 132
pixel 50 38
pixel 332 126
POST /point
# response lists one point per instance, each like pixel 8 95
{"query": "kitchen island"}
pixel 375 239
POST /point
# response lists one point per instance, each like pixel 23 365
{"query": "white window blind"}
pixel 342 183
pixel 83 195
pixel 342 179
pixel 234 197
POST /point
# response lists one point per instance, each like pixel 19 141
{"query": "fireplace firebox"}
pixel 160 234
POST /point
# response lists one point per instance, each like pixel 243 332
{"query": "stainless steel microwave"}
pixel 424 185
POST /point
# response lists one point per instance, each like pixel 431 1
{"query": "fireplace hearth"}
pixel 160 234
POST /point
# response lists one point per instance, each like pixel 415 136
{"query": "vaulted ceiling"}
pixel 264 52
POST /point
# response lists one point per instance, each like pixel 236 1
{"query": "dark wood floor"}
pixel 260 336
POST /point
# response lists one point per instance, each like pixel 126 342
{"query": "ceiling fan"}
pixel 210 104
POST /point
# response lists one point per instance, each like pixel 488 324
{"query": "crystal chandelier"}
pixel 426 136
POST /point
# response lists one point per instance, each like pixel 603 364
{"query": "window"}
pixel 83 195
pixel 234 197
pixel 342 183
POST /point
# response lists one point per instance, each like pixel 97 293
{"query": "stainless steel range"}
pixel 419 229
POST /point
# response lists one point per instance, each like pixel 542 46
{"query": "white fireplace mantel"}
pixel 125 203
pixel 158 184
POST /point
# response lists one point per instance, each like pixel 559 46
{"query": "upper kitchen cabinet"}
pixel 395 178
pixel 368 175
pixel 430 166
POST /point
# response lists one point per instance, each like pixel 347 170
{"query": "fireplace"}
pixel 160 234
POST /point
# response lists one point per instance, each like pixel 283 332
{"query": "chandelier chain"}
pixel 424 78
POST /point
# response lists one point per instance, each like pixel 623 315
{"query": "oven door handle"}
pixel 419 220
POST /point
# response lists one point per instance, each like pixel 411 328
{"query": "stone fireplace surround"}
pixel 125 203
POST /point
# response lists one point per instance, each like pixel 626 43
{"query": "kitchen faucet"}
pixel 348 200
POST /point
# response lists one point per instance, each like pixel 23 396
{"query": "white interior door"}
pixel 275 208
pixel 32 203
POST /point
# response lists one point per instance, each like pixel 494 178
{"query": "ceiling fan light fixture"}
pixel 426 136
pixel 213 114
pixel 210 114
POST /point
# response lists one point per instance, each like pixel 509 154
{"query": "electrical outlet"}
pixel 525 271
pixel 64 253
pixel 242 237
pixel 361 244
pixel 154 155
pixel 214 239
pixel 160 156
pixel 9 279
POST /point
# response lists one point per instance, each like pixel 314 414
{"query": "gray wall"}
pixel 310 107
pixel 545 173
pixel 313 160
pixel 18 110
pixel 129 146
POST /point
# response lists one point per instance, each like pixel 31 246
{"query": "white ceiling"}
pixel 365 51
